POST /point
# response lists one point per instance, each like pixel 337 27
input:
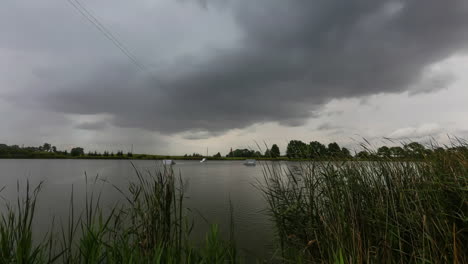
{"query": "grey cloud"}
pixel 92 125
pixel 328 126
pixel 197 135
pixel 337 132
pixel 461 134
pixel 434 82
pixel 333 113
pixel 424 130
pixel 293 57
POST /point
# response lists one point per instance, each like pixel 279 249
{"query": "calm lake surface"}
pixel 209 188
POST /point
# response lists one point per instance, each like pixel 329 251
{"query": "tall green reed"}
pixel 16 231
pixel 150 226
pixel 371 212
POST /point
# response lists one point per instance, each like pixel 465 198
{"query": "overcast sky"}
pixel 228 73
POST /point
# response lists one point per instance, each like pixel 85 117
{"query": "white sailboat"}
pixel 168 162
pixel 250 162
pixel 204 159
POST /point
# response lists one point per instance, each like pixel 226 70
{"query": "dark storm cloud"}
pixel 293 57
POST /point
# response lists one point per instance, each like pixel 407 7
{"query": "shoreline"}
pixel 149 157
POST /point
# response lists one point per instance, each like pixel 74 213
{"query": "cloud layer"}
pixel 272 61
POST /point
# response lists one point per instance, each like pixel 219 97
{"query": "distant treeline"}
pixel 44 151
pixel 296 150
pixel 47 151
pixel 315 150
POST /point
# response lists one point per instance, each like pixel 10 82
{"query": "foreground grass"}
pixel 151 227
pixel 371 212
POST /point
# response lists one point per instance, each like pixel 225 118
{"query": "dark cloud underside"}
pixel 293 57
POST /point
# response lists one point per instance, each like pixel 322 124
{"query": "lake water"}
pixel 210 186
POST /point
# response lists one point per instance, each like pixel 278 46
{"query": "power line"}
pixel 106 32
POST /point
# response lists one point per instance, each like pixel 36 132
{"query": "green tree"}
pixel 415 150
pixel 363 155
pixel 230 154
pixel 46 147
pixel 345 152
pixel 77 152
pixel 384 152
pixel 297 149
pixel 397 152
pixel 217 155
pixel 317 149
pixel 245 153
pixel 334 149
pixel 275 151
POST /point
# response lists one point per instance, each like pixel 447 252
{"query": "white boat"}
pixel 203 160
pixel 250 162
pixel 168 162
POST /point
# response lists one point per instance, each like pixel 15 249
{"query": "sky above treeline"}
pixel 218 74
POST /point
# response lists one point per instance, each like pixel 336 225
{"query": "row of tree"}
pixel 413 150
pixel 243 153
pixel 296 149
pixel 15 148
pixel 47 150
pixel 109 154
pixel 198 155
